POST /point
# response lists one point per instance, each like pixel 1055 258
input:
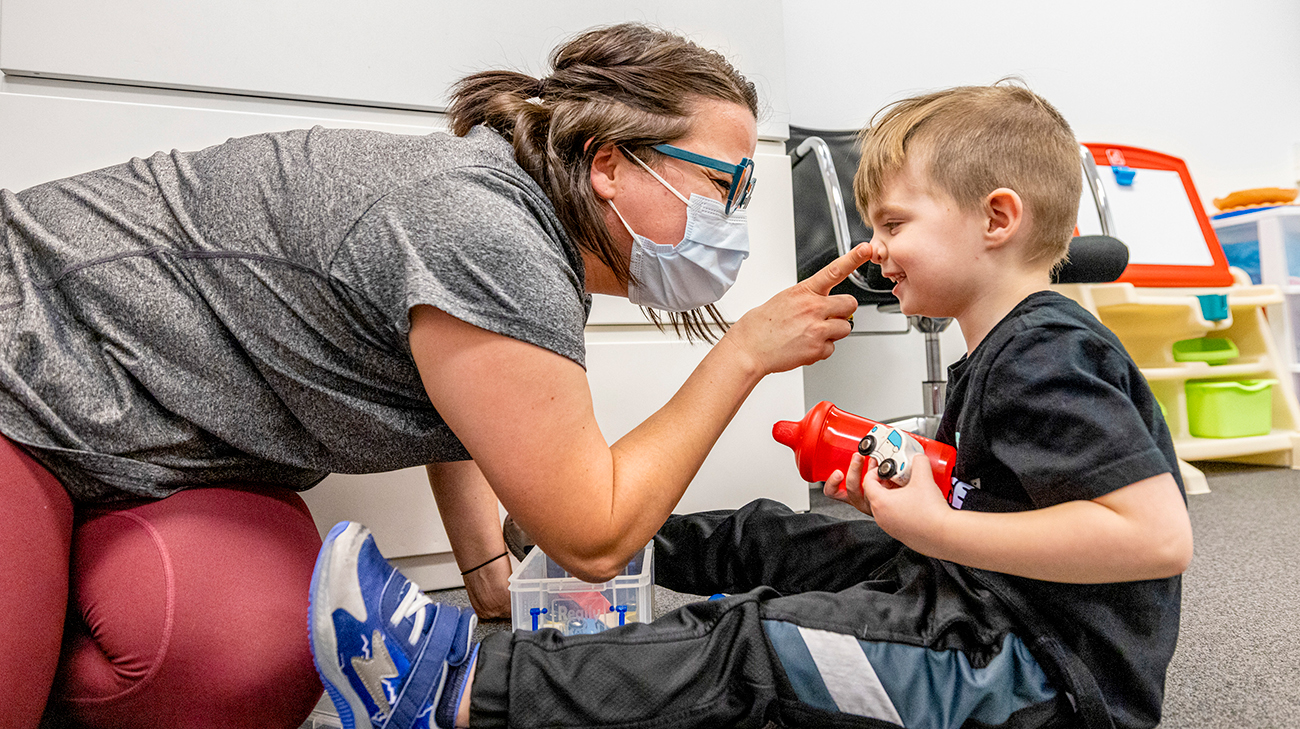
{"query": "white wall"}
pixel 400 54
pixel 1217 84
pixel 1213 83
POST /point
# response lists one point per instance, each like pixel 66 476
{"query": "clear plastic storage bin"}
pixel 543 595
pixel 1264 243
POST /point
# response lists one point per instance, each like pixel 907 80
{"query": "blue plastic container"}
pixel 1214 307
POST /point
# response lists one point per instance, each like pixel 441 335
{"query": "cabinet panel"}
pixel 50 130
pixel 398 506
pixel 771 264
pixel 633 374
pixel 401 53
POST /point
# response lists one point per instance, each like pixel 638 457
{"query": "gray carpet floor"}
pixel 1238 660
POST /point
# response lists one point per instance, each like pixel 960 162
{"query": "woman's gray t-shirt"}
pixel 240 313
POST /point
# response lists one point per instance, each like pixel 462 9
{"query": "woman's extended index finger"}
pixel 839 269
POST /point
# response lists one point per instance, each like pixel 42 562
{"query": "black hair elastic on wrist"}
pixel 485 564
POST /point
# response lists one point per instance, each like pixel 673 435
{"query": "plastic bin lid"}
pixel 1242 385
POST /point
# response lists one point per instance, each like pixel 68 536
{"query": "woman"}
pixel 190 338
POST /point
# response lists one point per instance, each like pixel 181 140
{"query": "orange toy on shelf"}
pixel 1256 197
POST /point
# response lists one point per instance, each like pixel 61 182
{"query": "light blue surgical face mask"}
pixel 697 271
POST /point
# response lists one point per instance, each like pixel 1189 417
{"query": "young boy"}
pixel 1045 595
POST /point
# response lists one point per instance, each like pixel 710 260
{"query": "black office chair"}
pixel 826 227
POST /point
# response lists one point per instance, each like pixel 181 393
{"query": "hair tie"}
pixel 538 90
pixel 485 564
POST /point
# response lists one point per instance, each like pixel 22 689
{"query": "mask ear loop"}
pixel 661 180
pixel 621 219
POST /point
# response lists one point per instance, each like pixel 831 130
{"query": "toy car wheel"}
pixel 867 445
pixel 887 468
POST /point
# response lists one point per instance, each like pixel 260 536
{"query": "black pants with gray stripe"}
pixel 828 623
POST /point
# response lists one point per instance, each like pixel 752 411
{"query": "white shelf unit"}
pixel 1266 244
pixel 1148 322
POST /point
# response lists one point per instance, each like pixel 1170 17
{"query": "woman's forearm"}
pixel 471 517
pixel 527 416
pixel 655 462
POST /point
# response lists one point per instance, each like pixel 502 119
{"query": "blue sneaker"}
pixel 383 649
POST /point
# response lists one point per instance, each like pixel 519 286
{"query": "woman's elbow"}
pixel 595 577
pixel 596 569
pixel 594 563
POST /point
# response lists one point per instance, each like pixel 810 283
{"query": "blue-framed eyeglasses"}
pixel 742 175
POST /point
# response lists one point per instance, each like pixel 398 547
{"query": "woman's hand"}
pixel 800 325
pixel 468 508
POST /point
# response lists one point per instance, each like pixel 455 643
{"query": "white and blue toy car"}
pixel 893 450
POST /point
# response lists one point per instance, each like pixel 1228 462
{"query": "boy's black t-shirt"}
pixel 1050 408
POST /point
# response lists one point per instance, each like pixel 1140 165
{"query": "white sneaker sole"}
pixel 334 585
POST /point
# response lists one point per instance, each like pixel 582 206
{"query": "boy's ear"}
pixel 1005 213
pixel 604 170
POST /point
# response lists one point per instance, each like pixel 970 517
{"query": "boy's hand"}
pixel 911 513
pixel 849 488
pixel 907 513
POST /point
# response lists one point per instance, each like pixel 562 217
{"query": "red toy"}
pixel 827 437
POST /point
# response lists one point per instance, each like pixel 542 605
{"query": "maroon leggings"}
pixel 183 612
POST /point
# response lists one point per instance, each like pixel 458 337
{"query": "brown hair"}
pixel 970 141
pixel 631 85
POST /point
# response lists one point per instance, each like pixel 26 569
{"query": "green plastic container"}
pixel 1213 350
pixel 1229 409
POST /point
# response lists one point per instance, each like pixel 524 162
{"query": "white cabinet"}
pixel 634 373
pixel 398 507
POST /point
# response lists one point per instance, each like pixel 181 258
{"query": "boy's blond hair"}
pixel 970 141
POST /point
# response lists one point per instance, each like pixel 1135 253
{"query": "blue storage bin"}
pixel 1239 236
pixel 1240 245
